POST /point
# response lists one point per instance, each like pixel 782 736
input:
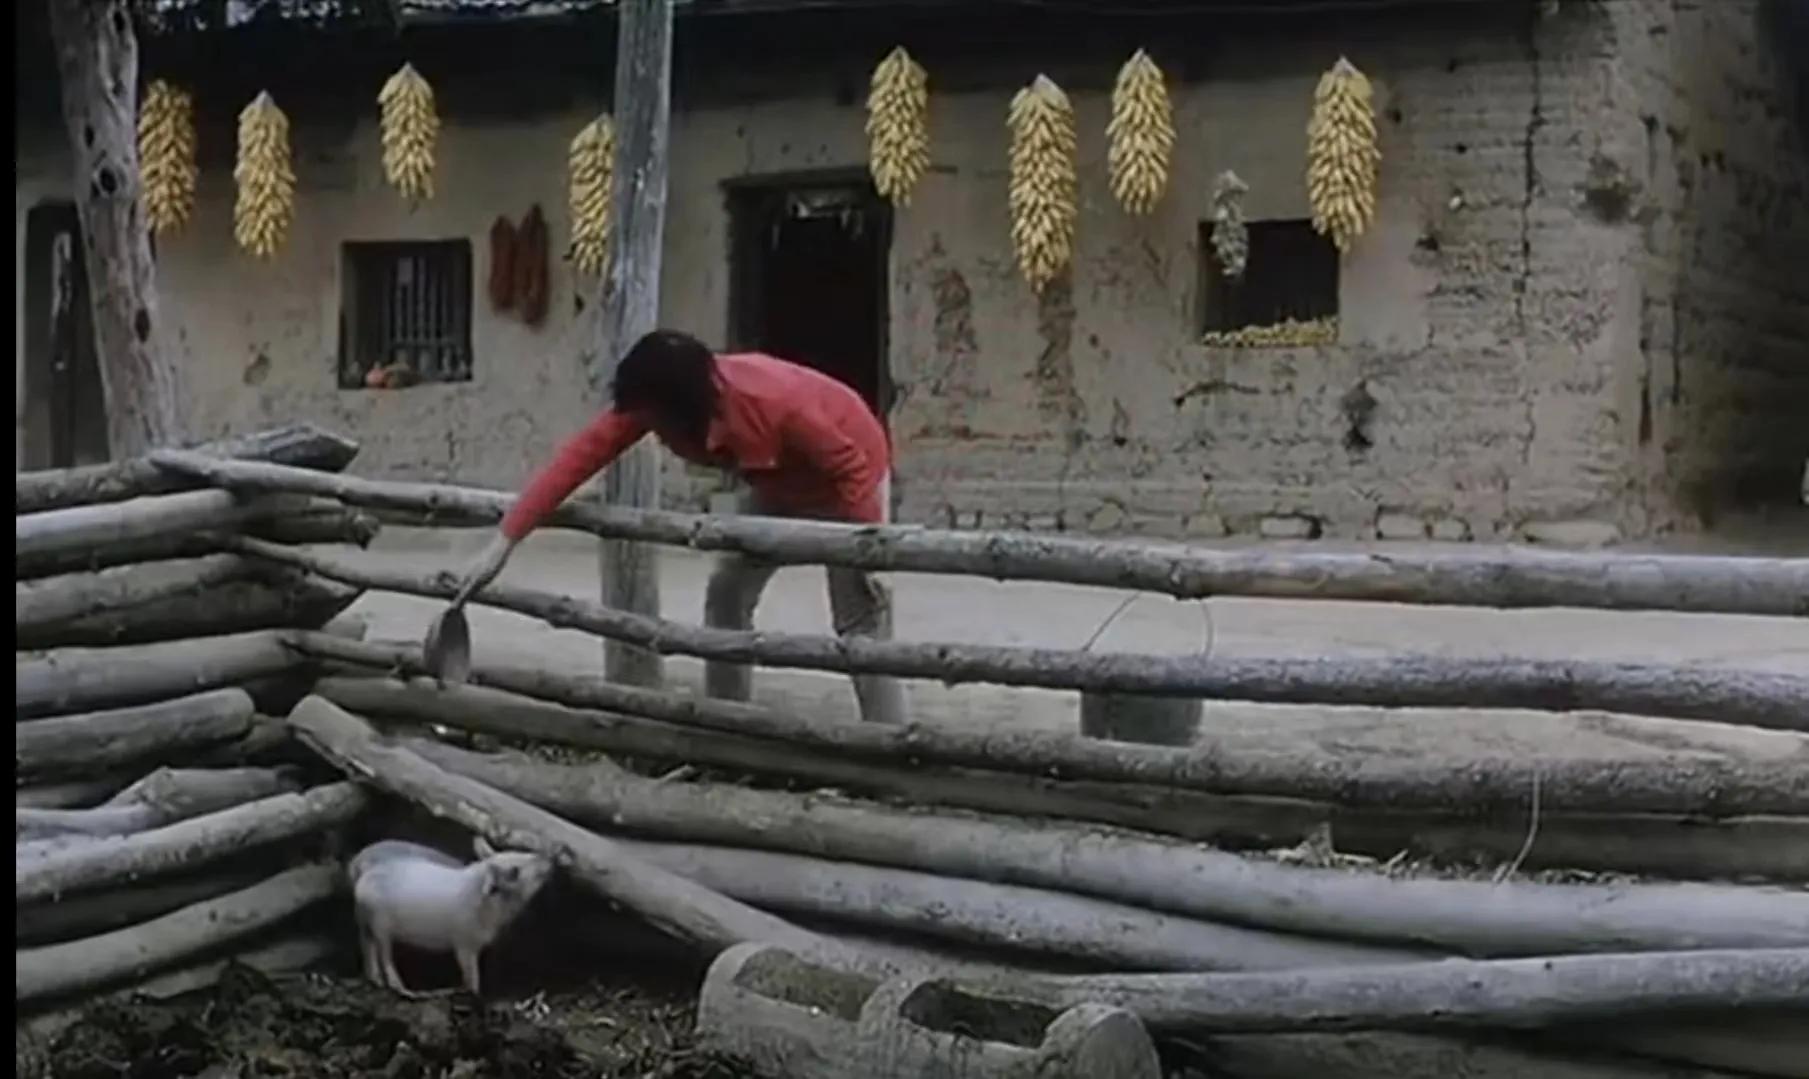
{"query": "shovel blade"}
pixel 447 652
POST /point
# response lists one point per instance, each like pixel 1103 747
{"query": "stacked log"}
pixel 160 822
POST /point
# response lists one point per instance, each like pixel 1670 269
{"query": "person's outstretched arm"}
pixel 577 459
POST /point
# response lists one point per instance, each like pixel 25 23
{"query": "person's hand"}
pixel 484 568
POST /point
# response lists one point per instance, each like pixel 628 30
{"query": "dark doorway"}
pixel 808 278
pixel 65 410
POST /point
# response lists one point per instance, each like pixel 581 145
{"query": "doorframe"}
pixel 744 292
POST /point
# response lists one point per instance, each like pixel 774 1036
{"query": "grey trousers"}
pixel 860 605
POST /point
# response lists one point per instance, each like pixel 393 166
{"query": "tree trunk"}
pixel 102 912
pixel 630 302
pixel 262 600
pixel 56 534
pixel 676 905
pixel 136 951
pixel 111 739
pixel 73 794
pixel 49 600
pixel 300 445
pixel 163 797
pixel 1761 698
pixel 1542 991
pixel 1105 935
pixel 1465 916
pixel 1504 577
pixel 85 679
pixel 97 67
pixel 1679 786
pixel 160 852
pixel 318 521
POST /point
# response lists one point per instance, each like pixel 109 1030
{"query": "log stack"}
pixel 1258 904
pixel 161 822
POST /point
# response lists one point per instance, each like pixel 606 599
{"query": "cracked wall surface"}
pixel 1571 308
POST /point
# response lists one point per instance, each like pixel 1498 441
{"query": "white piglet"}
pixel 422 897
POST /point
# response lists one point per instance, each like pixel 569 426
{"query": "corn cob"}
pixel 1230 233
pixel 166 156
pixel 266 178
pixel 898 131
pixel 410 128
pixel 592 166
pixel 1288 333
pixel 1043 182
pixel 1342 155
pixel 1141 135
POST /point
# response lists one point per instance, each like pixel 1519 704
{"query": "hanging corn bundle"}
pixel 1141 135
pixel 1342 155
pixel 1230 233
pixel 898 130
pixel 592 161
pixel 266 178
pixel 1043 184
pixel 410 129
pixel 166 156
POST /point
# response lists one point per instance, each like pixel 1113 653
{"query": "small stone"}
pixel 1288 526
pixel 1579 534
pixel 1106 518
pixel 1400 526
pixel 1451 530
pixel 1206 526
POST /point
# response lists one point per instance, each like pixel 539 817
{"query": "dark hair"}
pixel 671 376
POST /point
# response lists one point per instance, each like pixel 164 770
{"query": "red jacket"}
pixel 806 443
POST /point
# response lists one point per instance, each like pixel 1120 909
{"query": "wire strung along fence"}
pixel 198 722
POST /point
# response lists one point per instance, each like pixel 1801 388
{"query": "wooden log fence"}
pixel 106 740
pixel 112 860
pixel 133 952
pixel 1502 578
pixel 297 445
pixel 86 679
pixel 1755 697
pixel 1195 805
pixel 1464 916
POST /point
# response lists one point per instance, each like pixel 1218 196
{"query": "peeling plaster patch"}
pixel 257 370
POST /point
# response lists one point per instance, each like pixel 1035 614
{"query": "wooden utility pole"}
pixel 97 65
pixel 631 299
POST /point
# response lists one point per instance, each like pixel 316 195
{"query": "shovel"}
pixel 447 651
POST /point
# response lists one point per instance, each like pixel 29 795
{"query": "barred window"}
pixel 405 314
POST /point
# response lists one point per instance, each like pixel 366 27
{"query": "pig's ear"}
pixel 482 847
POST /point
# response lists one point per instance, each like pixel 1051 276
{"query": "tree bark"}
pixel 1504 577
pixel 59 534
pixel 1536 992
pixel 1761 698
pixel 629 305
pixel 49 600
pixel 319 521
pixel 512 701
pixel 676 905
pixel 300 445
pixel 262 600
pixel 136 951
pixel 73 794
pixel 112 739
pixel 160 852
pixel 97 67
pixel 1106 935
pixel 102 912
pixel 1465 916
pixel 85 679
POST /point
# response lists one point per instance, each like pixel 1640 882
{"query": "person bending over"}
pixel 806 444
